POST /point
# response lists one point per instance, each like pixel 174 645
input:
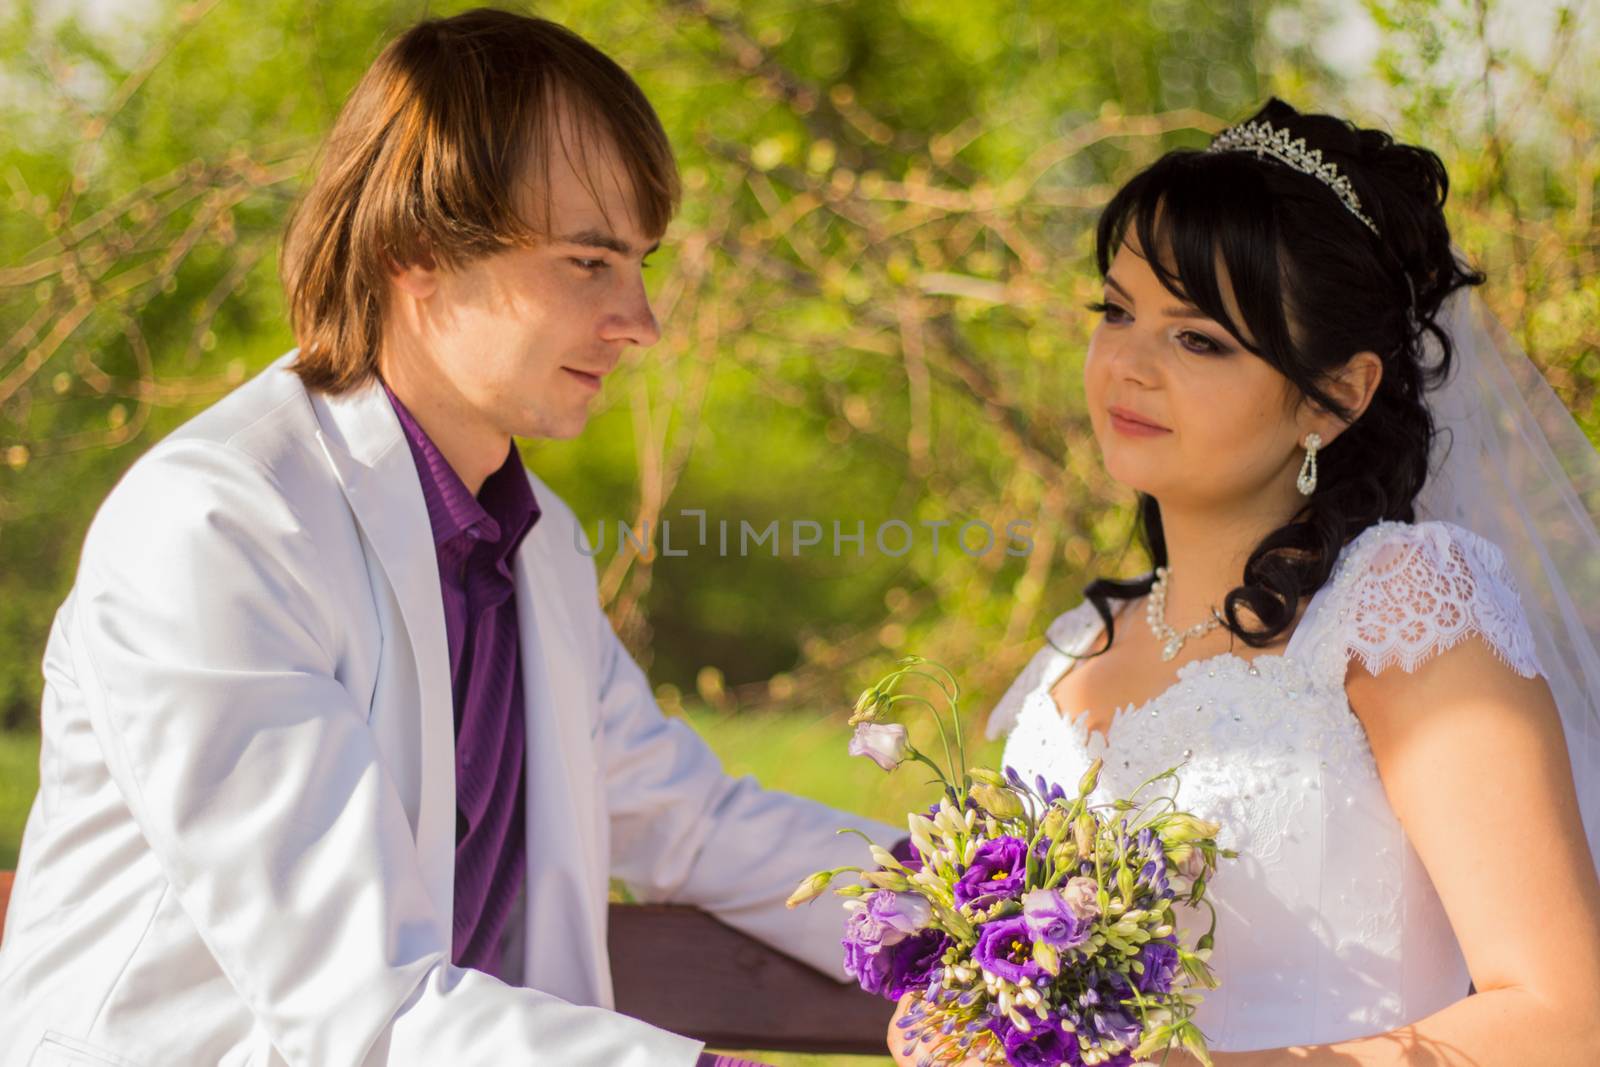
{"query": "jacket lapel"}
pixel 564 948
pixel 367 448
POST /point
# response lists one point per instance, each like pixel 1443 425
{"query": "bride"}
pixel 1355 693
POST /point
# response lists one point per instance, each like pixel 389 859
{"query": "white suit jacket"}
pixel 243 846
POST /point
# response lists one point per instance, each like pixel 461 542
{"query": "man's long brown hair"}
pixel 430 158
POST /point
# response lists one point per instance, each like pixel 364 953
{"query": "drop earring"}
pixel 1307 482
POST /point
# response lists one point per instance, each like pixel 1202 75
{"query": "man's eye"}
pixel 590 264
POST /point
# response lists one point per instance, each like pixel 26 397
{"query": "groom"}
pixel 339 750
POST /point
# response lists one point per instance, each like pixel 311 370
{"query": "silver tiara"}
pixel 1263 140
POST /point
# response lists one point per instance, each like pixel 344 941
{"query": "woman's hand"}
pixel 1176 1058
pixel 897 1036
pixel 897 1041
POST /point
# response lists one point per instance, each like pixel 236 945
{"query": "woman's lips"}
pixel 1131 427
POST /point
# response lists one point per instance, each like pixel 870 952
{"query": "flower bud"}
pixel 810 889
pixel 987 776
pixel 1194 1043
pixel 866 708
pixel 1064 853
pixel 1083 834
pixel 893 880
pixel 1125 884
pixel 1046 956
pixel 1000 802
pixel 1055 821
pixel 1091 778
pixel 1182 827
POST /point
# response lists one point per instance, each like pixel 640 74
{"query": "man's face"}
pixel 517 343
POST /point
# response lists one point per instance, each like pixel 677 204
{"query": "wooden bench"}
pixel 684 971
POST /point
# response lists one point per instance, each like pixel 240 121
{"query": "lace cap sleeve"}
pixel 1065 634
pixel 1419 589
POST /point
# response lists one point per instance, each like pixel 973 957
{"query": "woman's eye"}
pixel 1112 312
pixel 1198 342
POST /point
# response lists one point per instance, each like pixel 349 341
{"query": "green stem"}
pixel 937 721
pixel 913 754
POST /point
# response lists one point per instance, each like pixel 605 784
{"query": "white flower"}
pixel 885 743
pixel 1080 894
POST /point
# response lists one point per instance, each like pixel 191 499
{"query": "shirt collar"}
pixel 505 504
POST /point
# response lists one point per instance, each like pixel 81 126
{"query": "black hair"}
pixel 1314 286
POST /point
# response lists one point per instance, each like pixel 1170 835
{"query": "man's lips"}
pixel 591 378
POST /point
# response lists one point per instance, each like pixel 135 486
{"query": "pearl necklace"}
pixel 1155 612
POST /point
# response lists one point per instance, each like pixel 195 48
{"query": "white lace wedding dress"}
pixel 1328 926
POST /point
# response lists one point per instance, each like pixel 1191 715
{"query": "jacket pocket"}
pixel 59 1050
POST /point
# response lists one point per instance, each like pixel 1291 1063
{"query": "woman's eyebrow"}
pixel 1176 311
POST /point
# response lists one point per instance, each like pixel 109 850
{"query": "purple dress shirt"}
pixel 476 540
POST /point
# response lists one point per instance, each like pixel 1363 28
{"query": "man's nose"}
pixel 634 320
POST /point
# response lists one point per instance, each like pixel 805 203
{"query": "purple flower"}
pixel 1117 1025
pixel 1005 950
pixel 892 971
pixel 1051 918
pixel 912 962
pixel 1160 959
pixel 1044 1044
pixel 1154 875
pixel 907 854
pixel 1102 1017
pixel 869 967
pixel 998 869
pixel 885 918
pixel 886 949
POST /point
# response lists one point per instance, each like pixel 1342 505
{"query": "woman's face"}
pixel 1221 433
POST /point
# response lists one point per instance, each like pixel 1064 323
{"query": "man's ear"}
pixel 418 279
pixel 1353 386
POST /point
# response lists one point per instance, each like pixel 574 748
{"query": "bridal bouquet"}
pixel 1029 926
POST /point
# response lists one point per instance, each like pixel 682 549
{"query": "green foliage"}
pixel 870 297
pixel 864 294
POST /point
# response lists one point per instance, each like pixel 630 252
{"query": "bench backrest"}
pixel 684 971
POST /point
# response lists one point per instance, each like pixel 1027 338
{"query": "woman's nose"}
pixel 1131 357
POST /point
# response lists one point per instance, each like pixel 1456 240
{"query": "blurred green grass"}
pixel 796 753
pixel 19 781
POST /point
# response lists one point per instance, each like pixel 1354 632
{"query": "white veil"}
pixel 1512 466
